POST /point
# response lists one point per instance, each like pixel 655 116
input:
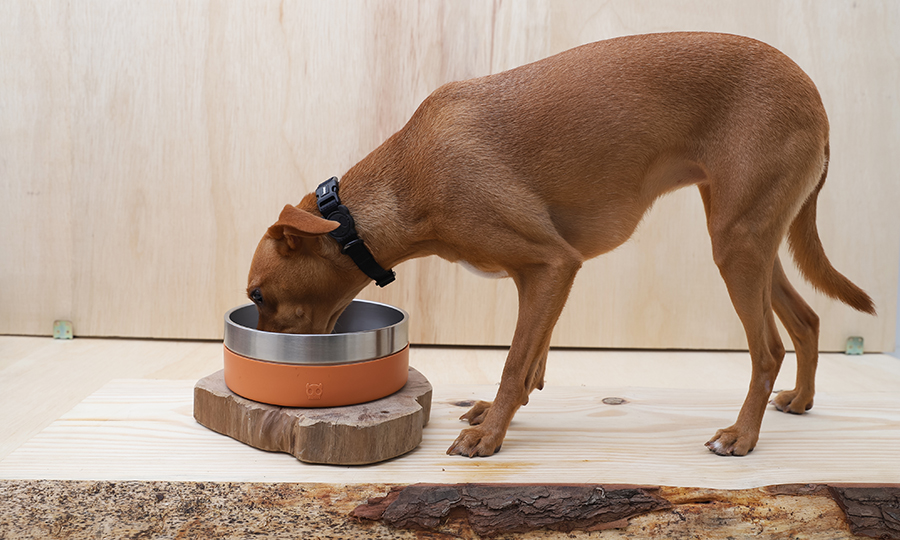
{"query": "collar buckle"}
pixel 327 196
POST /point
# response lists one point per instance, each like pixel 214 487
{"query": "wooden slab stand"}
pixel 352 435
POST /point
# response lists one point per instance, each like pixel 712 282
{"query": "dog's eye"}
pixel 256 296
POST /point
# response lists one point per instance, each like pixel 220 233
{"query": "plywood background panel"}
pixel 35 167
pixel 662 289
pixel 145 147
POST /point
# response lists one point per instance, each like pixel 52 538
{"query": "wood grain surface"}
pixel 146 146
pixel 145 430
pixel 114 409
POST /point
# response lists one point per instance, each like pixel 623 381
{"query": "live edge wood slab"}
pixel 352 435
pixel 75 510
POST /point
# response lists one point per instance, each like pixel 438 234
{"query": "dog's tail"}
pixel 806 248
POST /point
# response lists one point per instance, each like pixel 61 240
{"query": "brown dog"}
pixel 532 171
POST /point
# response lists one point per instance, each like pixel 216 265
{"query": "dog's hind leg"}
pixel 745 250
pixel 749 286
pixel 802 324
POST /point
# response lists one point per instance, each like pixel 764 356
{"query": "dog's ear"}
pixel 294 224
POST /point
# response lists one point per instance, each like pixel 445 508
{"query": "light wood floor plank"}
pixel 144 430
pixel 122 409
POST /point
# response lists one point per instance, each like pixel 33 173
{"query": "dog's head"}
pixel 298 279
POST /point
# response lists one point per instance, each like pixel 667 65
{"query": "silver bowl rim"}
pixel 318 349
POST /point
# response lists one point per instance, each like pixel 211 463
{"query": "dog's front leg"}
pixel 476 414
pixel 543 290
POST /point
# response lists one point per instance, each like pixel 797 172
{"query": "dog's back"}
pixel 590 137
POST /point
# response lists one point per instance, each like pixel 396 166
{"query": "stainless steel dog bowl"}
pixel 365 330
pixel 366 358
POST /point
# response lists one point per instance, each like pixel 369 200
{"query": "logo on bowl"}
pixel 314 390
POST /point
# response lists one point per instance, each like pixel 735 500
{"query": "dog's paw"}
pixel 477 413
pixel 731 442
pixel 474 442
pixel 792 401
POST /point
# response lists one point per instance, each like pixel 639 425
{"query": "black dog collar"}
pixel 351 244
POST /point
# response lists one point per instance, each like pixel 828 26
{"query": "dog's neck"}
pixel 393 232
